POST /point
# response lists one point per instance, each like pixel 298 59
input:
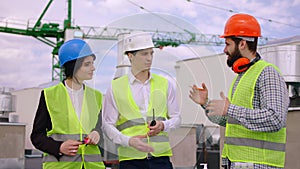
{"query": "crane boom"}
pixel 54 36
pixel 161 38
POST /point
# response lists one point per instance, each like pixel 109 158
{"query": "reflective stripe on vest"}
pixel 76 158
pixel 244 145
pixel 131 122
pixel 65 137
pixel 255 143
pixel 135 122
pixel 66 125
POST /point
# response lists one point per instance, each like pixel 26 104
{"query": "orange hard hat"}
pixel 241 25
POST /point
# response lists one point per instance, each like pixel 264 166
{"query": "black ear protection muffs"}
pixel 242 64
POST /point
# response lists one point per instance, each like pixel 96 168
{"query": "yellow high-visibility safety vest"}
pixel 244 145
pixel 131 122
pixel 66 125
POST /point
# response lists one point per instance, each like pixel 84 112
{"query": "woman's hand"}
pixel 70 147
pixel 93 138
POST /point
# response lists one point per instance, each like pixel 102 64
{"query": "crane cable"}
pixel 166 20
pixel 232 11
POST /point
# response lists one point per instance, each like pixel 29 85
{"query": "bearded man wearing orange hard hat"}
pixel 255 110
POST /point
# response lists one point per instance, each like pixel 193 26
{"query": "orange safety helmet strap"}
pixel 242 25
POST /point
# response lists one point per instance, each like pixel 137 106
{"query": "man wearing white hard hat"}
pixel 140 108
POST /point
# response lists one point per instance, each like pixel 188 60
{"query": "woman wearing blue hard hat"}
pixel 67 125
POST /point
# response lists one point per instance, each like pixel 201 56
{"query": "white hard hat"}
pixel 138 41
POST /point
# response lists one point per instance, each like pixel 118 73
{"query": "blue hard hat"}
pixel 72 50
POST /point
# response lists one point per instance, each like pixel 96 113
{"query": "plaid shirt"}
pixel 270 107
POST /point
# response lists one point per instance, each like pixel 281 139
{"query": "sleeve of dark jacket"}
pixel 42 124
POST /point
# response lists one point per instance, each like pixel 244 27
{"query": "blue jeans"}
pixel 147 163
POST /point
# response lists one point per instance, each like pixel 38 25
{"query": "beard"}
pixel 233 57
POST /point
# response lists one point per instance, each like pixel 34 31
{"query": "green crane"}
pixel 48 33
pixel 54 36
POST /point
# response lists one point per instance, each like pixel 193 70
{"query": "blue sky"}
pixel 26 62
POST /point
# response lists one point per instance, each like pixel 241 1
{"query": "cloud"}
pixel 26 62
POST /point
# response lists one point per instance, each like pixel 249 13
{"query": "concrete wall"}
pixel 12 137
pixel 211 70
pixel 183 143
pixel 292 143
pixel 26 105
